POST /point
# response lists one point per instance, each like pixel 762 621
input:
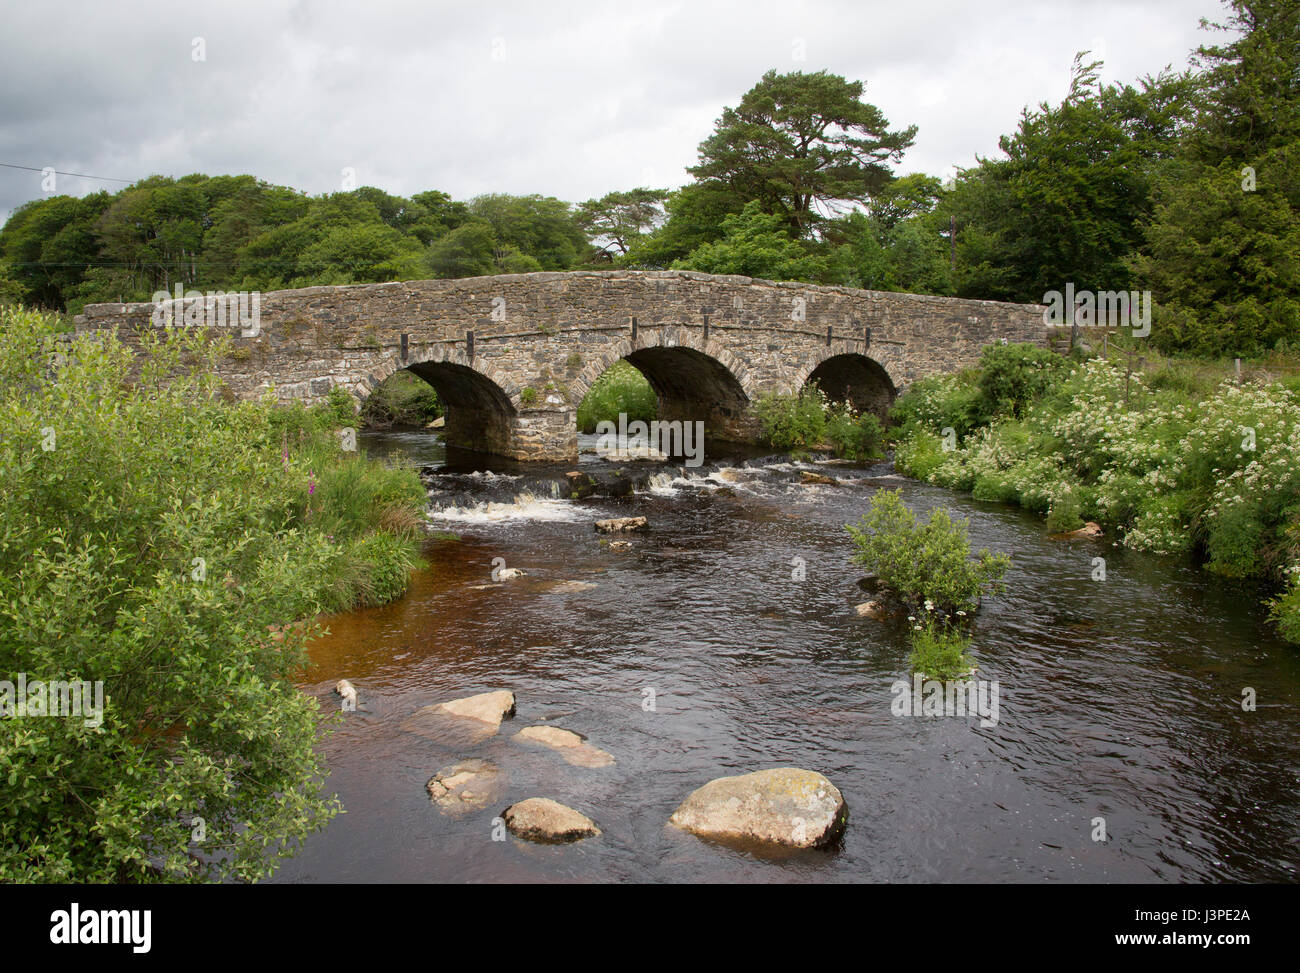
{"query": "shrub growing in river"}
pixel 809 420
pixel 160 540
pixel 940 649
pixel 924 562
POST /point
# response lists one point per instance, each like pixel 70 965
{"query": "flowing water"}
pixel 696 654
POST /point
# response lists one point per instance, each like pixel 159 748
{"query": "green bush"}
pixel 793 422
pixel 939 402
pixel 403 399
pixel 621 388
pixel 924 562
pixel 1012 376
pixel 809 421
pixel 162 541
pixel 939 650
pixel 853 435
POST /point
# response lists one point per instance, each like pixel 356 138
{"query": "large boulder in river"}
pixel 569 745
pixel 541 819
pixel 465 720
pixel 786 806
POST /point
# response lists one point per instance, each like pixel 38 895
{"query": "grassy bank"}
pixel 1172 461
pixel 620 388
pixel 162 542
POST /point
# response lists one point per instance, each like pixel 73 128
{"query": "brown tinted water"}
pixel 1119 699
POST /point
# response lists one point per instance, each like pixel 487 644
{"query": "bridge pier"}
pixel 540 435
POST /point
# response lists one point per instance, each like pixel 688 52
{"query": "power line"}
pixel 78 175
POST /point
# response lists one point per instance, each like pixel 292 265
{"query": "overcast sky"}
pixel 570 99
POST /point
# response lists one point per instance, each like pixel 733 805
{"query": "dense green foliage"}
pixel 620 389
pixel 402 399
pixel 1176 467
pixel 236 233
pixel 927 565
pixel 940 648
pixel 809 421
pixel 163 541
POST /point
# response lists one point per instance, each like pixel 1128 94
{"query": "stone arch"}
pixel 480 412
pixel 864 381
pixel 694 379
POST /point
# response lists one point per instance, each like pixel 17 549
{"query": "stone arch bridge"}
pixel 512 356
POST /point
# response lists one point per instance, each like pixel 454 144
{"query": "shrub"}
pixel 620 389
pixel 1012 376
pixel 162 544
pixel 939 650
pixel 853 435
pixel 793 421
pixel 939 402
pixel 403 399
pixel 924 562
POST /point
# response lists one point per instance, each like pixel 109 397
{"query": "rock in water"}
pixel 465 720
pixel 541 819
pixel 467 786
pixel 616 524
pixel 874 609
pixel 347 691
pixel 787 806
pixel 569 745
pixel 809 478
pixel 1090 529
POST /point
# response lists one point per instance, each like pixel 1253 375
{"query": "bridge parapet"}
pixel 513 355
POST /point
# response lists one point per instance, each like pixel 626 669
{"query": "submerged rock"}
pixel 541 819
pixel 569 745
pixel 871 582
pixel 467 786
pixel 1090 529
pixel 784 807
pixel 569 587
pixel 469 720
pixel 616 524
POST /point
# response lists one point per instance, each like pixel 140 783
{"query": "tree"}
pixel 617 220
pixel 756 244
pixel 804 146
pixel 1065 203
pixel 695 215
pixel 1221 250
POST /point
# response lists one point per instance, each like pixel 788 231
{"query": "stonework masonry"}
pixel 513 356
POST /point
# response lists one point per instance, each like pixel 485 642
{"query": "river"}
pixel 697 654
